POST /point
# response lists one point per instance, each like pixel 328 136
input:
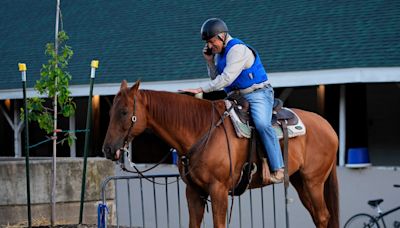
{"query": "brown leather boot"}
pixel 265 175
pixel 278 176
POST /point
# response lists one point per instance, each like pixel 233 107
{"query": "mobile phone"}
pixel 208 51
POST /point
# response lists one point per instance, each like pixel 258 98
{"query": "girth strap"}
pixel 286 172
pixel 247 169
pixel 202 193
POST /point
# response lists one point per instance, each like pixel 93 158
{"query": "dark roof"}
pixel 160 40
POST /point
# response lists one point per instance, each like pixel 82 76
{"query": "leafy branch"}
pixel 46 86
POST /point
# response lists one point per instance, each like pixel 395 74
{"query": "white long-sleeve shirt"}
pixel 239 58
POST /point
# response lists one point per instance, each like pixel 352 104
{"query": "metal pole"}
pixel 342 125
pixel 54 138
pixel 286 207
pixel 22 69
pixel 262 207
pixel 273 203
pixel 94 65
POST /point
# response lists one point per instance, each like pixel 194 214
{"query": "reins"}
pixel 185 159
pixel 207 135
pixel 226 113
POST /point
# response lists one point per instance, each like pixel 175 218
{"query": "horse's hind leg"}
pixel 298 183
pixel 196 207
pixel 315 190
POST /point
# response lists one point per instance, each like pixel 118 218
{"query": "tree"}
pixel 53 82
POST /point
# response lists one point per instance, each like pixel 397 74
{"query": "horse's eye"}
pixel 124 112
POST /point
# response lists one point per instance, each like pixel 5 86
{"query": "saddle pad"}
pixel 293 130
pixel 243 130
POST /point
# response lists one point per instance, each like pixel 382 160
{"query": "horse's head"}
pixel 127 120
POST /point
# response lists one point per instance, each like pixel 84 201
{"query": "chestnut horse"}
pixel 182 121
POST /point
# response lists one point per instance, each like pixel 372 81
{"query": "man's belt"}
pixel 254 88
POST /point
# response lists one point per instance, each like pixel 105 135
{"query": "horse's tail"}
pixel 331 194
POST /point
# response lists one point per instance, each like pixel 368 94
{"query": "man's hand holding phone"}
pixel 207 53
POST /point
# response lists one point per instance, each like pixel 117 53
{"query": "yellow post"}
pixel 22 67
pixel 95 64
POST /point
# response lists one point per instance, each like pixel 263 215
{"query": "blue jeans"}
pixel 261 103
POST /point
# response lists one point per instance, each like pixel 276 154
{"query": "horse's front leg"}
pixel 219 203
pixel 196 207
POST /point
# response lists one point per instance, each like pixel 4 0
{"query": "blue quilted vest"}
pixel 254 75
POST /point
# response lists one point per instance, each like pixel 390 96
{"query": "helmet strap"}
pixel 223 41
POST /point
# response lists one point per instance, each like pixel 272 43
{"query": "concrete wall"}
pixel 13 209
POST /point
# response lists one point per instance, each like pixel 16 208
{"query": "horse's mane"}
pixel 178 110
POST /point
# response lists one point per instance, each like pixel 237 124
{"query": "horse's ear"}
pixel 124 84
pixel 135 87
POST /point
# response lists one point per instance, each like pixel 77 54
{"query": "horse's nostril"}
pixel 107 151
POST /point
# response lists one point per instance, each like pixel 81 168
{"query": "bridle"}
pixel 133 122
pixel 126 153
pixel 125 148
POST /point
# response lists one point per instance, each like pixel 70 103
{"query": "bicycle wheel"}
pixel 361 221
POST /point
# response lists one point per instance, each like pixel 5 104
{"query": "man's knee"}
pixel 263 126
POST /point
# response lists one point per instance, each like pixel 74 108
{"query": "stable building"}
pixel 339 59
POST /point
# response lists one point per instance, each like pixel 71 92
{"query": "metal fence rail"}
pixel 158 201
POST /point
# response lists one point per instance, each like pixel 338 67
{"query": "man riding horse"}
pixel 237 67
pixel 211 159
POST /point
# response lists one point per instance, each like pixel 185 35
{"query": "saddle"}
pixel 238 106
pixel 238 110
pixel 280 113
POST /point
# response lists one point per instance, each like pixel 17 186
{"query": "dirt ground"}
pixel 60 226
pixel 64 226
pixel 72 226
